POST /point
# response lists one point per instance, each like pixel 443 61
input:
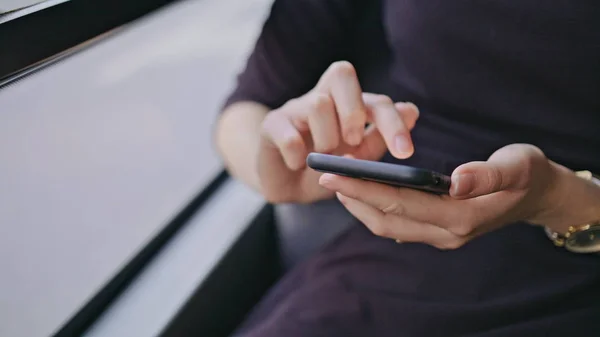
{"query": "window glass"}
pixel 102 149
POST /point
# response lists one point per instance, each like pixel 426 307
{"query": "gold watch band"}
pixel 587 175
pixel 561 240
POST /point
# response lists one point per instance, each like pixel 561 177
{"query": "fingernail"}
pixel 403 145
pixel 326 179
pixel 462 184
pixel 353 137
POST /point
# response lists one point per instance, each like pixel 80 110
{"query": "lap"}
pixel 365 286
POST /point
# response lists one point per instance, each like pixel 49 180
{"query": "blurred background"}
pixel 116 217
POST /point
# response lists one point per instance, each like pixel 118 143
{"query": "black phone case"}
pixel 390 174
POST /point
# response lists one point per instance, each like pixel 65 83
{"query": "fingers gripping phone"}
pixel 390 174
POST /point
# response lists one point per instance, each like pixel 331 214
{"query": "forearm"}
pixel 238 140
pixel 577 201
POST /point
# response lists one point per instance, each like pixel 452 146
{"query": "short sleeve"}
pixel 298 41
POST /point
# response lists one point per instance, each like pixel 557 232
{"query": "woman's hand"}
pixel 517 183
pixel 331 118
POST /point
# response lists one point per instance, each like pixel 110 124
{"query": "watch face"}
pixel 587 241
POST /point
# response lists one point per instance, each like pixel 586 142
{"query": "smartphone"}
pixel 390 174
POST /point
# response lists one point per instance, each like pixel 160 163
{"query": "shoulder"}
pixel 298 41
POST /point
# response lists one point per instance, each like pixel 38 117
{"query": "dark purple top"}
pixel 484 74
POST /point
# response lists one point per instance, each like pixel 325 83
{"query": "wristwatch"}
pixel 579 238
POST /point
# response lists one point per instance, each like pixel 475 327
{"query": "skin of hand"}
pixel 331 118
pixel 517 183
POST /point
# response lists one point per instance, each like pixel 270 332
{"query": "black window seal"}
pixel 93 309
pixel 32 40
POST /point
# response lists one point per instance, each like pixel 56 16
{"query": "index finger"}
pixel 393 121
pixel 341 83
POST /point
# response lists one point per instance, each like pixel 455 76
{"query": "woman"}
pixel 507 97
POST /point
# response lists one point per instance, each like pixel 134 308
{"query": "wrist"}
pixel 570 201
pixel 237 137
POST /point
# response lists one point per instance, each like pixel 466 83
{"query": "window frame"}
pixel 39 37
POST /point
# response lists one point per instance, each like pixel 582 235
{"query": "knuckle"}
pixel 382 100
pixel 532 161
pixel 320 102
pixel 291 143
pixel 465 227
pixel 287 106
pixel 353 121
pixel 343 68
pixel 494 179
pixel 461 230
pixel 528 164
pixel 526 150
pixel 394 208
pixel 531 158
pixel 527 171
pixel 379 228
pixel 268 123
pixel 349 121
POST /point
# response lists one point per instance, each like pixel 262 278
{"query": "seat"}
pixel 303 229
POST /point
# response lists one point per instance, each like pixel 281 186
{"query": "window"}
pixel 104 139
pixel 8 6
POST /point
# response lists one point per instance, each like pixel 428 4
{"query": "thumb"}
pixel 480 178
pixel 510 167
